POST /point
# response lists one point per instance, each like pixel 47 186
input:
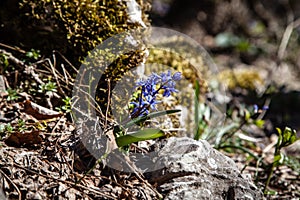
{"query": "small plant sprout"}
pixel 285 138
pixel 48 87
pixel 4 63
pixel 35 54
pixel 5 129
pixel 67 105
pixel 12 94
pixel 21 125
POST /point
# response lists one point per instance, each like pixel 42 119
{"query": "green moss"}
pixel 81 25
pixel 179 54
pixel 78 26
pixel 242 78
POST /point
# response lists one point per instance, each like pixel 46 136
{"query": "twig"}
pixel 12 58
pixel 18 190
pixel 16 78
pixel 65 182
pixel 108 103
pixel 111 146
pixel 138 175
pixel 29 69
pixel 65 73
pixel 56 71
pixel 99 111
pixel 57 124
pixel 97 107
pixel 286 37
pixel 66 161
pixel 63 68
pixel 55 76
pixel 12 48
pixel 53 72
pixel 63 57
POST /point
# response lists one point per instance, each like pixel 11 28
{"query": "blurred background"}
pixel 254 43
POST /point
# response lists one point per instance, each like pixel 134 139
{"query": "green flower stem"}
pixel 269 178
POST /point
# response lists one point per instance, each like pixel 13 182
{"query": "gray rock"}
pixel 2 84
pixel 195 170
pixel 2 195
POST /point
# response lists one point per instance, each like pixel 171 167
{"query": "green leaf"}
pixel 278 160
pixel 259 123
pixel 286 138
pixel 4 60
pixel 271 192
pixel 289 136
pixel 243 46
pixel 146 134
pixel 149 116
pixel 247 115
pixel 279 140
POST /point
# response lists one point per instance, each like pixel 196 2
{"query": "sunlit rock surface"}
pixel 195 170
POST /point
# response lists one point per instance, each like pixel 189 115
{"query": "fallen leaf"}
pixel 40 112
pixel 18 139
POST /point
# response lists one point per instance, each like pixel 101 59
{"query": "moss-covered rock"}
pixel 245 78
pixel 77 26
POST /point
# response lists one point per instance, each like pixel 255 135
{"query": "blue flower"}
pixel 256 109
pixel 265 108
pixel 166 77
pixel 150 88
pixel 176 76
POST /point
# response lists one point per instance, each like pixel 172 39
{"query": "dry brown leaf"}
pixel 18 139
pixel 39 112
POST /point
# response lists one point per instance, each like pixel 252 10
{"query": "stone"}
pixel 2 195
pixel 2 84
pixel 195 170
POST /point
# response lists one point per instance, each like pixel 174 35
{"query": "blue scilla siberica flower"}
pixel 257 109
pixel 150 88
